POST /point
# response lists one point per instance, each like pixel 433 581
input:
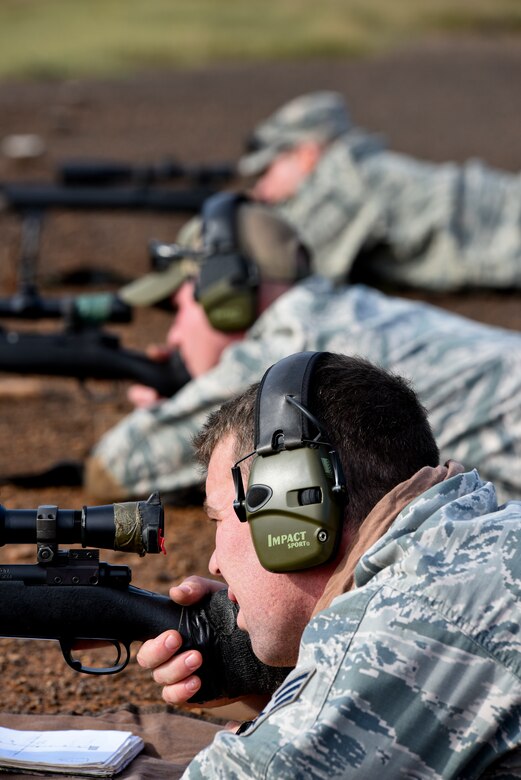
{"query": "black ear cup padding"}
pixel 228 280
pixel 273 413
pixel 257 496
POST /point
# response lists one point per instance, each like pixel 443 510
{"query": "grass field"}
pixel 67 38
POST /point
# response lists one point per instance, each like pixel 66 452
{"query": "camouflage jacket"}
pixel 468 376
pixel 413 674
pixel 433 226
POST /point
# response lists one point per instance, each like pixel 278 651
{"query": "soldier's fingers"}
pixel 181 692
pixel 141 396
pixel 178 669
pixel 158 352
pixel 193 589
pixel 157 651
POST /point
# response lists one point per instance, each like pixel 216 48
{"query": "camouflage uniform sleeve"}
pixel 447 226
pixel 386 686
pixel 151 449
pixel 429 225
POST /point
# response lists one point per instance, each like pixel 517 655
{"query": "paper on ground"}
pixel 86 751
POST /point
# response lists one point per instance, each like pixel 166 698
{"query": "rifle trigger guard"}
pixel 119 664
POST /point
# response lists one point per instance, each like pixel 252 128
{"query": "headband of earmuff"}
pixel 296 492
pixel 228 280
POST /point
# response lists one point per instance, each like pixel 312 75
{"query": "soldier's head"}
pixel 303 502
pixel 248 257
pixel 286 147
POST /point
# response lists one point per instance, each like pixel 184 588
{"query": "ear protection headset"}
pixel 296 489
pixel 228 280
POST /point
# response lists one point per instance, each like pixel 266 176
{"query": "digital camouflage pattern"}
pixel 413 674
pixel 434 226
pixel 319 116
pixel 467 375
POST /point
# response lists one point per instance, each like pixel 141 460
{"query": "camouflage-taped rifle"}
pixel 70 596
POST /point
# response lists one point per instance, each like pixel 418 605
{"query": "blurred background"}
pixel 57 39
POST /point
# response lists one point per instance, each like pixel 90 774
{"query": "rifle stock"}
pixel 87 353
pixel 71 613
pixel 71 596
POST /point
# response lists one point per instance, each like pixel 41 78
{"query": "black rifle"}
pixel 87 353
pixel 30 198
pixel 93 308
pixel 33 201
pixel 70 596
pixel 93 173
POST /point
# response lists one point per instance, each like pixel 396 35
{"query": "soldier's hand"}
pixel 142 396
pixel 172 669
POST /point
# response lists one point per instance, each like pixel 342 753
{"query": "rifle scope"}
pixel 106 172
pixel 133 526
pixel 87 309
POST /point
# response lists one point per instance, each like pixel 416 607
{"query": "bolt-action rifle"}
pixel 87 353
pixel 82 350
pixel 95 173
pixel 33 201
pixel 71 596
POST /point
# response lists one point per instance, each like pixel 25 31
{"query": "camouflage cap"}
pixel 158 286
pixel 318 116
pixel 272 244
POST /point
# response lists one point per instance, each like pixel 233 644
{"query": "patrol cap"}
pixel 157 286
pixel 318 116
pixel 266 239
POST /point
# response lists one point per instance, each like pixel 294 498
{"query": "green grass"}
pixel 68 38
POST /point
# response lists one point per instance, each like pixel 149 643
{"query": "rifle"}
pixel 87 352
pixel 92 173
pixel 70 596
pixel 32 198
pixel 32 201
pixel 82 349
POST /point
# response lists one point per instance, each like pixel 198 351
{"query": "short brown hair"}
pixel 373 418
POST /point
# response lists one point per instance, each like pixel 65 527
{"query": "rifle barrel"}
pixel 40 197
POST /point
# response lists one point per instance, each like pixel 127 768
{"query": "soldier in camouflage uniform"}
pixel 467 375
pixel 403 221
pixel 409 656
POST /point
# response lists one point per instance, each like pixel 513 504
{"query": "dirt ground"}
pixel 443 101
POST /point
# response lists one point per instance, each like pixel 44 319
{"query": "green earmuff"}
pixel 228 280
pixel 296 495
